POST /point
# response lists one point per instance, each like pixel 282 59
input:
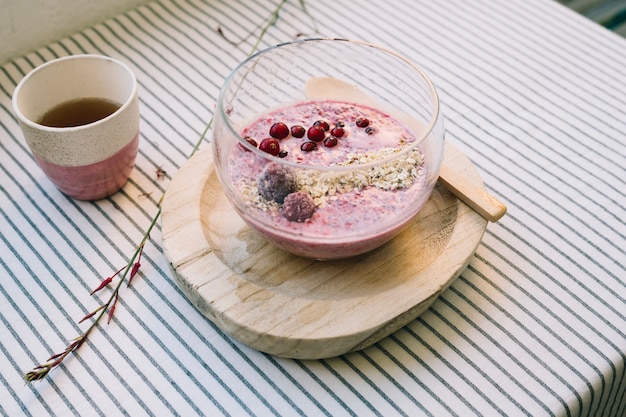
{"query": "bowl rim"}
pixel 334 168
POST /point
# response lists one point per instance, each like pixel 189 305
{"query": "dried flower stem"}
pixel 131 269
pixel 271 21
pixel 41 371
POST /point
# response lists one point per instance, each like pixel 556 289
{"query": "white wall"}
pixel 26 25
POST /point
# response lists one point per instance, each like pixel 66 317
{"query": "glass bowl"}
pixel 327 147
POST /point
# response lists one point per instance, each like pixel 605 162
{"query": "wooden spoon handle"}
pixel 474 196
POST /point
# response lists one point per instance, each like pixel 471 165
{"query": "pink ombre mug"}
pixel 87 161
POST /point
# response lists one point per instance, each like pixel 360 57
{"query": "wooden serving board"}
pixel 293 307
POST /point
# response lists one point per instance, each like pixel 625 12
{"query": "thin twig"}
pixel 39 372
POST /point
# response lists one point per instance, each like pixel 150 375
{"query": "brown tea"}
pixel 78 112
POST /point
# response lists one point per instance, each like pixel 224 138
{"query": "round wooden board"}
pixel 293 307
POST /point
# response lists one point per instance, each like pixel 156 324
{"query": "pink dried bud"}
pixel 112 309
pixel 133 272
pixel 106 282
pixel 103 284
pixel 53 357
pixel 136 267
pixel 89 315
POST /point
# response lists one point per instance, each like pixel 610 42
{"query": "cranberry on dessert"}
pixel 337 131
pixel 298 131
pixel 362 122
pixel 323 124
pixel 316 133
pixel 250 141
pixel 279 130
pixel 308 146
pixel 270 145
pixel 330 142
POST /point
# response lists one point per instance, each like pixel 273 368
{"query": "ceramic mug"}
pixel 86 159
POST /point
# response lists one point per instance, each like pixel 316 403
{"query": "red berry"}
pixel 362 122
pixel 270 145
pixel 323 124
pixel 298 207
pixel 276 182
pixel 337 132
pixel 250 141
pixel 316 133
pixel 279 130
pixel 330 142
pixel 297 131
pixel 308 146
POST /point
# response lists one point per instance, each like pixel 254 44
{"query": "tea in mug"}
pixel 78 112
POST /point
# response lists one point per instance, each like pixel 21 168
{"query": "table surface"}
pixel 533 94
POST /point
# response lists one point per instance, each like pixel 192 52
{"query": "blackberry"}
pixel 276 182
pixel 298 207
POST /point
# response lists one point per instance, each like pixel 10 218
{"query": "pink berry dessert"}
pixel 340 178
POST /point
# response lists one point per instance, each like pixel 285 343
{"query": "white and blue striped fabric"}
pixel 533 93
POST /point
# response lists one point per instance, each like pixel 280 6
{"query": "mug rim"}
pixel 33 124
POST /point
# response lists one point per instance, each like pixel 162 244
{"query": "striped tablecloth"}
pixel 533 93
